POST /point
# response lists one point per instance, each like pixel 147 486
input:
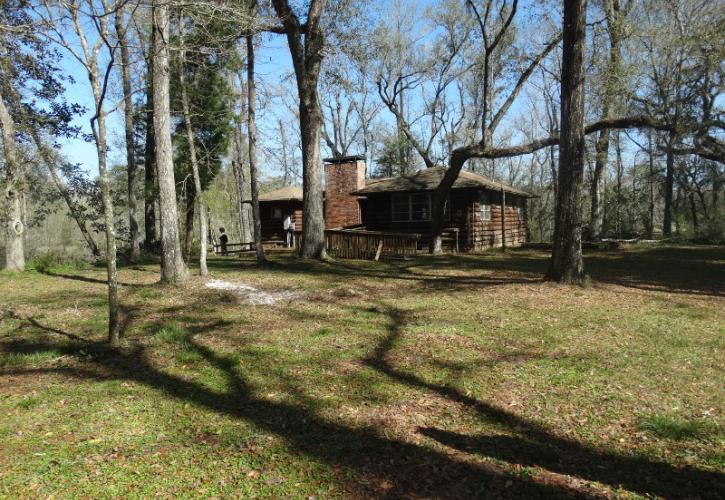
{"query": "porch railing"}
pixel 374 245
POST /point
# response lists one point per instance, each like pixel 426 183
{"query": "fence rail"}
pixel 375 245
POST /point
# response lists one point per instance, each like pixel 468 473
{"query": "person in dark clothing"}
pixel 223 239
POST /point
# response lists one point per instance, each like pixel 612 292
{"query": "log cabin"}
pixel 474 218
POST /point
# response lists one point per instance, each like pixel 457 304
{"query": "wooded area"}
pixel 148 133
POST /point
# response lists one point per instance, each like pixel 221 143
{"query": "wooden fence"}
pixel 375 245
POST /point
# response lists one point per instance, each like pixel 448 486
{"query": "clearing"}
pixel 454 376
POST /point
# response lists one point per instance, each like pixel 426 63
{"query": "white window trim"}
pixel 481 204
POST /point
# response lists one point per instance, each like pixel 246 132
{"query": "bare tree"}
pixel 252 142
pixel 615 14
pixel 173 268
pixel 306 46
pixel 566 265
pixel 191 140
pixel 123 42
pixel 59 20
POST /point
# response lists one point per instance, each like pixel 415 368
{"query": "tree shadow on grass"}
pixel 686 270
pixel 534 445
pixel 381 467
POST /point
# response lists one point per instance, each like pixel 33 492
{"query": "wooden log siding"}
pixel 356 244
pixel 487 234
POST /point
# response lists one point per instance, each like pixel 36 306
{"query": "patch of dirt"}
pixel 247 294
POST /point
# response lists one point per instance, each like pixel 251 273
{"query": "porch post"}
pixel 503 219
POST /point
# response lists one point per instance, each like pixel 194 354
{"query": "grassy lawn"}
pixel 456 376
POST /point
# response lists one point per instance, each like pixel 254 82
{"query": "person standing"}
pixel 291 233
pixel 223 239
pixel 285 227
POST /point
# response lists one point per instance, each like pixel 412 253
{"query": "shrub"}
pixel 58 260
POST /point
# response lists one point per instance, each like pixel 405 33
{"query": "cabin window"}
pixel 520 213
pixel 415 207
pixel 484 206
pixel 276 212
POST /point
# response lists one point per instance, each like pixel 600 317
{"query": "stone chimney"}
pixel 342 177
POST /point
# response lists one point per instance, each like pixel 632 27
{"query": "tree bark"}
pixel 15 190
pixel 150 190
pixel 173 268
pixel 566 265
pixel 669 186
pixel 252 142
pixel 190 212
pixel 121 32
pixel 600 163
pixel 198 191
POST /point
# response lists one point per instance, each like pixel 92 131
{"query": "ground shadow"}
pixel 533 445
pixel 687 270
pixel 382 467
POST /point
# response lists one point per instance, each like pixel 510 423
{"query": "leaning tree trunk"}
pixel 129 133
pixel 15 188
pixel 566 265
pixel 199 194
pixel 75 211
pixel 173 268
pixel 252 140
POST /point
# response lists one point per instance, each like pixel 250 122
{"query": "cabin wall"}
pixel 487 233
pixel 272 229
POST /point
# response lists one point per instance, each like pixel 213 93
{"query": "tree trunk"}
pixel 129 132
pixel 198 192
pixel 252 140
pixel 566 265
pixel 455 164
pixel 240 178
pixel 98 125
pixel 669 186
pixel 15 190
pixel 150 191
pixel 189 223
pixel 313 229
pixel 307 51
pixel 650 184
pixel 597 214
pixel 173 268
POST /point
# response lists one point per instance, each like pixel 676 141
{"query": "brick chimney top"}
pixel 345 159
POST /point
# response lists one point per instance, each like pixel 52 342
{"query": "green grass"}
pixel 454 376
pixel 669 427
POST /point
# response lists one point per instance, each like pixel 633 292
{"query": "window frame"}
pixel 428 207
pixel 484 200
